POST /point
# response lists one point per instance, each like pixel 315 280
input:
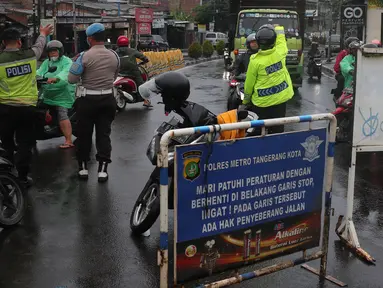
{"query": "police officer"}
pixel 268 84
pixel 18 97
pixel 96 106
pixel 243 60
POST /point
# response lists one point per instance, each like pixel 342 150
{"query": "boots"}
pixel 103 172
pixel 83 170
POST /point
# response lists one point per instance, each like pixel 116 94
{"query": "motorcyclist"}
pixel 128 62
pixel 268 84
pixel 347 65
pixel 59 94
pixel 243 60
pixel 313 53
pixel 338 75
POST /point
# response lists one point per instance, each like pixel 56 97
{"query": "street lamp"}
pixel 329 34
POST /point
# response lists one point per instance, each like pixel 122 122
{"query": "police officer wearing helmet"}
pixel 18 97
pixel 96 106
pixel 58 94
pixel 243 60
pixel 268 84
pixel 128 62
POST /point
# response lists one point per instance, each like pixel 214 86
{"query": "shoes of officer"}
pixel 103 176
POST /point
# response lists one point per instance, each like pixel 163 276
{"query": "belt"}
pixel 98 92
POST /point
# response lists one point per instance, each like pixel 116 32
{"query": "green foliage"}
pixel 195 50
pixel 207 49
pixel 203 14
pixel 220 47
pixel 181 16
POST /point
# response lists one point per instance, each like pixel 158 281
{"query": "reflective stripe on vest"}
pixel 18 82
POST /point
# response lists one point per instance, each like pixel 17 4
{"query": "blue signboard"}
pixel 245 187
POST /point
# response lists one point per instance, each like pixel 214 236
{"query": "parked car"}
pixel 335 44
pixel 152 42
pixel 215 37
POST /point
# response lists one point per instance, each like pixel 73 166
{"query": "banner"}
pixel 353 21
pixel 246 201
pixel 144 28
pixel 144 15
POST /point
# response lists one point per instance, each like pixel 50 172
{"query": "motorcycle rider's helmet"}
pixel 349 40
pixel 252 37
pixel 55 45
pixel 123 41
pixel 174 88
pixel 266 37
pixel 355 45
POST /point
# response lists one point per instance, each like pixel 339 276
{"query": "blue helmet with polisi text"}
pixel 94 29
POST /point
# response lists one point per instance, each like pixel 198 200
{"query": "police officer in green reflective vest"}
pixel 18 98
pixel 268 84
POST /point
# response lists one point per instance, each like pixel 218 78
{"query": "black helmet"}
pixel 174 88
pixel 348 41
pixel 370 45
pixel 55 45
pixel 266 37
pixel 252 37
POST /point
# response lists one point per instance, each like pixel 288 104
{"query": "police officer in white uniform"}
pixel 97 68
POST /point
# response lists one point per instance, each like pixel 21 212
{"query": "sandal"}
pixel 66 146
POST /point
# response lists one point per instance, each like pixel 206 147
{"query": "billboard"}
pixel 144 15
pixel 242 202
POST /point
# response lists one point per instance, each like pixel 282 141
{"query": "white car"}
pixel 215 37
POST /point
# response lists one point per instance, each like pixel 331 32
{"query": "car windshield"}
pixel 157 38
pixel 146 37
pixel 210 35
pixel 249 22
pixel 335 38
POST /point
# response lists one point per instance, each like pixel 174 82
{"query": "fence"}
pixel 160 62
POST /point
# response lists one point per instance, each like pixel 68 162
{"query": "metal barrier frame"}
pixel 162 163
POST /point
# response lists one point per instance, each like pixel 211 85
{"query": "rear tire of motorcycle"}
pixel 120 106
pixel 154 213
pixel 320 77
pixel 13 180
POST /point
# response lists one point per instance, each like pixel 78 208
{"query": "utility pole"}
pixel 74 27
pixel 329 34
pixel 54 19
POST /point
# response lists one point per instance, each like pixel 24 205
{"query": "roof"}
pixel 20 10
pixel 6 4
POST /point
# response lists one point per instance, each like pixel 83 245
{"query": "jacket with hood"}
pixel 60 93
pixel 346 66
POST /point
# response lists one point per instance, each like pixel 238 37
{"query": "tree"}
pixel 181 16
pixel 203 13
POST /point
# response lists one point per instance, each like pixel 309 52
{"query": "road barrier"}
pixel 244 201
pixel 160 62
pixel 367 134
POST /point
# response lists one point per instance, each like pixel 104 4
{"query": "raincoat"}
pixel 347 65
pixel 60 93
pixel 268 82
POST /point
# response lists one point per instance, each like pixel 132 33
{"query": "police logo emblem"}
pixel 311 146
pixel 192 168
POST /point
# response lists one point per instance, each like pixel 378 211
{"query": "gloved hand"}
pixel 77 68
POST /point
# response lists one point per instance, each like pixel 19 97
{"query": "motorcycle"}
pixel 48 126
pixel 127 90
pixel 236 92
pixel 227 58
pixel 147 207
pixel 13 201
pixel 315 67
pixel 343 114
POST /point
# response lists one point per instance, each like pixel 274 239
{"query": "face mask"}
pixel 54 59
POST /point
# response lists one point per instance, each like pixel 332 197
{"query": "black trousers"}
pixel 340 85
pixel 18 122
pixel 95 111
pixel 277 111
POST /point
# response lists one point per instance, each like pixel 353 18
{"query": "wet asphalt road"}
pixel 77 235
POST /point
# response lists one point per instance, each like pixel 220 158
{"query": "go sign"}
pixel 353 12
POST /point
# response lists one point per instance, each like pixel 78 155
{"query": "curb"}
pixel 198 61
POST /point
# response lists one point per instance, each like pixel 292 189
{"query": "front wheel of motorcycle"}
pixel 121 101
pixel 13 203
pixel 146 209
